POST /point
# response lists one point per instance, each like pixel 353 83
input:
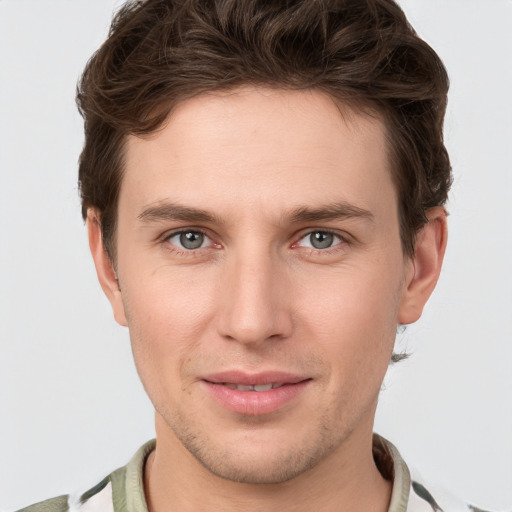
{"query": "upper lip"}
pixel 251 379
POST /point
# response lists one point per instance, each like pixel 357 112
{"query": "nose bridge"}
pixel 253 308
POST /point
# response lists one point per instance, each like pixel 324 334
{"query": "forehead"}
pixel 265 147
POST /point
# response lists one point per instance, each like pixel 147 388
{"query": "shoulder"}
pixel 58 504
pixel 112 493
pixel 97 499
pixel 410 491
pixel 424 497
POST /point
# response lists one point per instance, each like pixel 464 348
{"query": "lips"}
pixel 254 394
pixel 241 378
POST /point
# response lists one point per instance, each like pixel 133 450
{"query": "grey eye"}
pixel 321 239
pixel 191 239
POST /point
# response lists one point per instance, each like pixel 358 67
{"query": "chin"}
pixel 260 460
pixel 250 470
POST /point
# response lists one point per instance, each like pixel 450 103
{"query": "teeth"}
pixel 256 387
pixel 263 387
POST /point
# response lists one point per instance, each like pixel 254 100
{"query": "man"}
pixel 263 184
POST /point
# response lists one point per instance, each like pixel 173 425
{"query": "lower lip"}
pixel 255 403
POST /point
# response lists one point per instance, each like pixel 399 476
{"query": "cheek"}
pixel 353 318
pixel 169 299
pixel 351 303
pixel 168 315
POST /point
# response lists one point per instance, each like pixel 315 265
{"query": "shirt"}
pixel 123 490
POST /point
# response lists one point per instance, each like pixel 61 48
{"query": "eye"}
pixel 189 240
pixel 320 240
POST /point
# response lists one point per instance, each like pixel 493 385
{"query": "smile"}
pixel 255 394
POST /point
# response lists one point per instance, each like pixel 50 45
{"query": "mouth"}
pixel 255 394
pixel 252 387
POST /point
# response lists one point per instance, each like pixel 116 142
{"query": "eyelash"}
pixel 340 246
pixel 183 251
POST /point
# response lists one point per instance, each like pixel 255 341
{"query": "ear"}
pixel 104 268
pixel 424 266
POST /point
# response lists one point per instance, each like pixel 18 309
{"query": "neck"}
pixel 346 480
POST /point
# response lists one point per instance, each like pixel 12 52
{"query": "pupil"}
pixel 321 240
pixel 191 239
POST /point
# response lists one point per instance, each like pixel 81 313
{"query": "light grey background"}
pixel 71 407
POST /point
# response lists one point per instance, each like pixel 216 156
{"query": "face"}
pixel 262 278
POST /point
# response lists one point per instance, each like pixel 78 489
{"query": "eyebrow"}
pixel 173 212
pixel 335 211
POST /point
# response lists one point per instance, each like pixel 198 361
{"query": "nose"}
pixel 255 300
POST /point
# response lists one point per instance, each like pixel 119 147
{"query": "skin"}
pixel 256 296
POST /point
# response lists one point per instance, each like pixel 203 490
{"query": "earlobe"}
pixel 104 268
pixel 425 266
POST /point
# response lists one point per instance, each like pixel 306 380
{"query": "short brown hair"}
pixel 361 52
